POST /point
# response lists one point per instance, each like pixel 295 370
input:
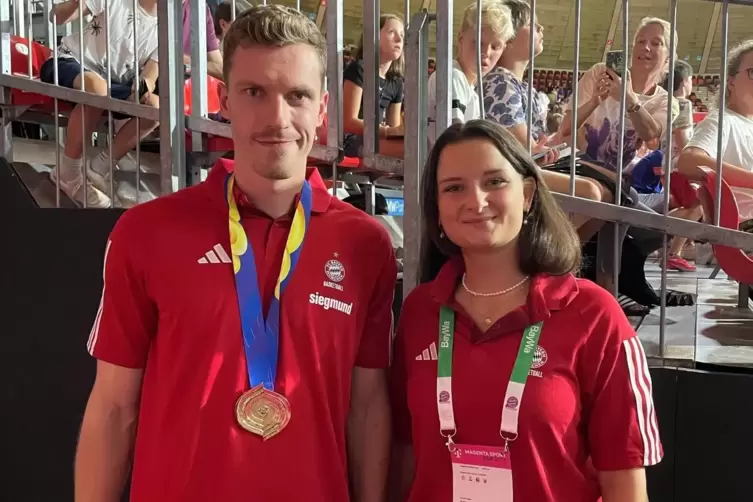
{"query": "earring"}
pixel 525 218
pixel 441 234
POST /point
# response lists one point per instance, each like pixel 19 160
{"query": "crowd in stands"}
pixel 504 45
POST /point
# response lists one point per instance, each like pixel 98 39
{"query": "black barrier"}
pixel 13 193
pixel 713 437
pixel 51 286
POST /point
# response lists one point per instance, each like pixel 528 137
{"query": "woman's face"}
pixel 650 53
pixel 521 44
pixel 741 85
pixel 492 46
pixel 391 38
pixel 481 198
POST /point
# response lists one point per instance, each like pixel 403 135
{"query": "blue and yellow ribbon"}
pixel 261 337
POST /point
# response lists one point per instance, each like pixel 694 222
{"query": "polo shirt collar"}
pixel 320 196
pixel 548 293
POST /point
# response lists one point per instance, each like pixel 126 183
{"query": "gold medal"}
pixel 262 412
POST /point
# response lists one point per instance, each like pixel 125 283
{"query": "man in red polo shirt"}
pixel 245 323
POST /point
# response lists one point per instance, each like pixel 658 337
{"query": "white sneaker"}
pixel 75 190
pixel 100 181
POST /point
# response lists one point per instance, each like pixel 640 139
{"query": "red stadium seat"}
pixel 213 97
pixel 735 262
pixel 19 65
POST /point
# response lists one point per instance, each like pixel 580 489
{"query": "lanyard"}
pixel 509 427
pixel 261 336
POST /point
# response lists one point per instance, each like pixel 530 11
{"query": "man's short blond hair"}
pixel 494 14
pixel 272 26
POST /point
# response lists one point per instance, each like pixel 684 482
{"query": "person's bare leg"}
pixel 694 213
pixel 584 188
pixel 71 176
pixel 125 141
pixel 392 148
pixel 128 136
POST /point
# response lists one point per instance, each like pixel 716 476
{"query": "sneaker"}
pixel 100 181
pixel 75 190
pixel 681 264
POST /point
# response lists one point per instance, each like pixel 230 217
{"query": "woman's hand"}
pixel 550 157
pixel 615 87
pixel 602 88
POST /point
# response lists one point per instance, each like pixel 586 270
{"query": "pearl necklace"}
pixel 488 320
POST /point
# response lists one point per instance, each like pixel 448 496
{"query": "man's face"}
pixel 275 102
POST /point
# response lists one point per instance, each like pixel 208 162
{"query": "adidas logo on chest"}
pixel 216 254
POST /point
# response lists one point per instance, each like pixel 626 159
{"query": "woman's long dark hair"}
pixel 397 68
pixel 547 244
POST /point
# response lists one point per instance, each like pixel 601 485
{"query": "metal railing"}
pixel 173 122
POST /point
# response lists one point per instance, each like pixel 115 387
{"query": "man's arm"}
pixel 107 436
pixel 66 12
pixel 369 435
pixel 214 64
pixel 693 158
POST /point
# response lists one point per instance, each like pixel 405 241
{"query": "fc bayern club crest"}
pixel 334 270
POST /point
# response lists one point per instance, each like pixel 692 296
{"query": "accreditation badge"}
pixel 481 473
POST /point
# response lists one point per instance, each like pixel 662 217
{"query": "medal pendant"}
pixel 262 412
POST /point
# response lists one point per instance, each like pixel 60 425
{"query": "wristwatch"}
pixel 636 107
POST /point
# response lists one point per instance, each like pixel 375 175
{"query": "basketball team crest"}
pixel 334 270
pixel 539 357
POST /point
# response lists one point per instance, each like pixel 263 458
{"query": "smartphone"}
pixel 616 62
pixel 557 148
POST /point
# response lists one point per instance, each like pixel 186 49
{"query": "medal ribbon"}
pixel 261 337
pixel 515 386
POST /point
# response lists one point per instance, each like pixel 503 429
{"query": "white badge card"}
pixel 481 474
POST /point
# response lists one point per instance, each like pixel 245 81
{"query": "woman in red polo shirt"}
pixel 512 378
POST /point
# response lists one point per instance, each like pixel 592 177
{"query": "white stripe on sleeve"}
pixel 640 384
pixel 94 334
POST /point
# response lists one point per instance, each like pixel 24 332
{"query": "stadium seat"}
pixel 213 97
pixel 735 262
pixel 19 65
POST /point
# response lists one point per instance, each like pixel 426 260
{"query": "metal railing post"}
pixel 416 120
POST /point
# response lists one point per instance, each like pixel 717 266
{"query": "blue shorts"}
pixel 69 69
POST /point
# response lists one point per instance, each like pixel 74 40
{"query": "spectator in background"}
pixel 390 97
pixel 88 184
pixel 214 56
pixel 223 17
pixel 553 121
pixel 506 103
pixel 598 129
pixel 599 95
pixel 683 80
pixel 737 156
pixel 496 30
